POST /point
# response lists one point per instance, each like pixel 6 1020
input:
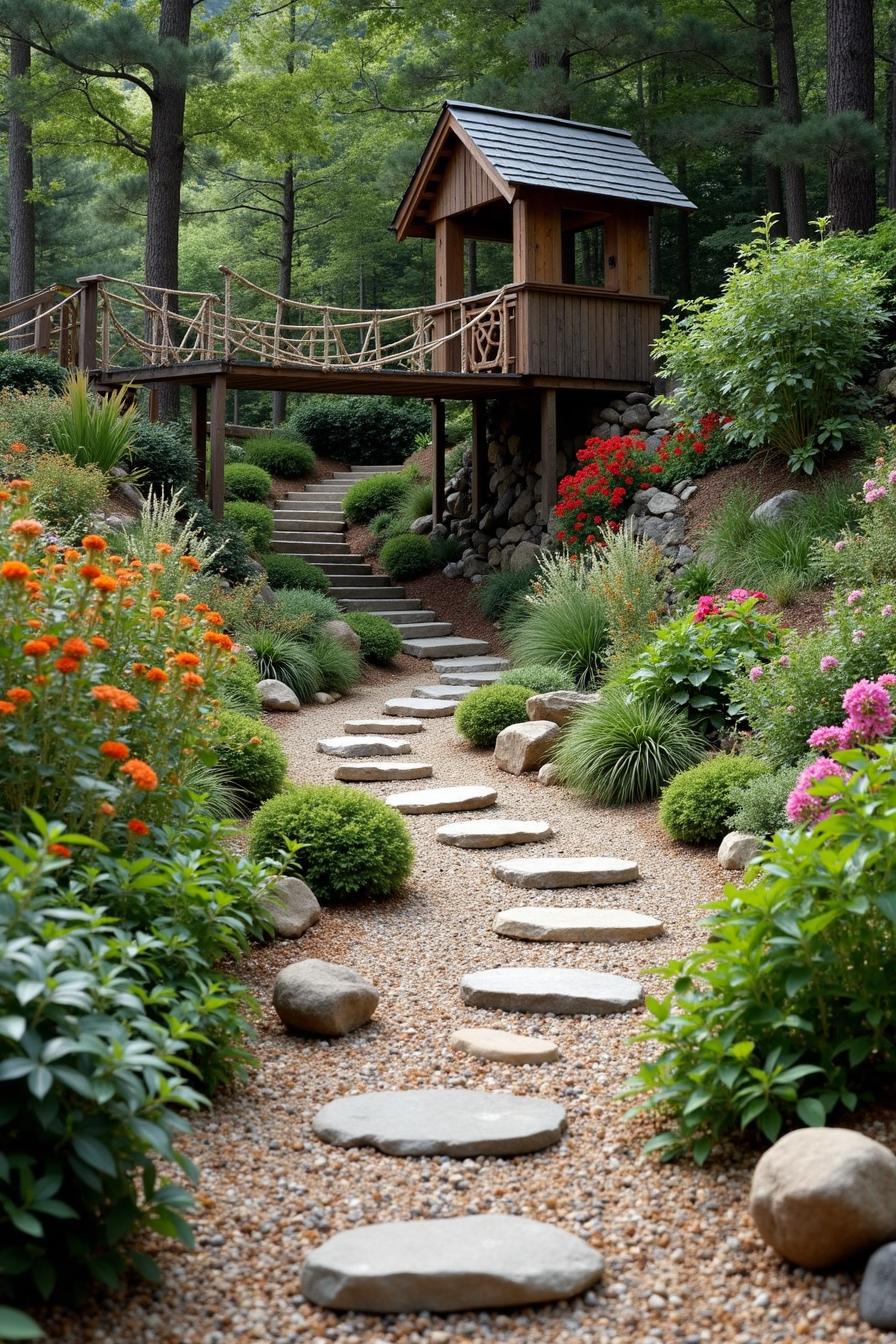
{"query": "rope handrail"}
pixel 354 312
pixel 47 312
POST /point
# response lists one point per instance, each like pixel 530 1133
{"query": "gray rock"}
pixel 419 707
pixel 485 833
pixel 525 553
pixel 635 417
pixel 422 524
pixel 383 727
pixel 688 493
pixel 325 698
pixel 452 1122
pixel 738 849
pixel 357 772
pixel 293 907
pixel 548 774
pixel 779 506
pixel 475 663
pixel 877 1296
pixel 549 874
pixel 505 1047
pixel 504 502
pixel 662 502
pixel 576 924
pixel 276 697
pixel 322 998
pixel 449 1264
pixel 638 399
pixel 559 706
pixel 353 744
pixel 520 507
pixel 460 798
pixel 563 990
pixel 821 1196
pixel 663 532
pixel 343 634
pixel 525 746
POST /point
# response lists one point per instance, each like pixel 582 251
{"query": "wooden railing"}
pixel 44 323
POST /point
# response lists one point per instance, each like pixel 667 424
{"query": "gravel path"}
pixel 682 1260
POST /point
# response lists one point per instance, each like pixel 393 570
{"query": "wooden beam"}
pixel 152 410
pixel 438 459
pixel 217 422
pixel 449 285
pixel 87 322
pixel 199 426
pixel 537 239
pixel 480 458
pixel 548 453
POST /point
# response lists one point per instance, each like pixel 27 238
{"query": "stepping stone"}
pixel 488 834
pixel 486 663
pixel 369 771
pixel 441 1121
pixel 363 746
pixel 547 874
pixel 525 746
pixel 469 678
pixel 480 1262
pixel 322 998
pixel 445 646
pixel 460 798
pixel 383 727
pixel 576 924
pixel 550 989
pixel 420 707
pixel 506 1047
pixel 453 693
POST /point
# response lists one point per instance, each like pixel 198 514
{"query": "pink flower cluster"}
pixel 869 717
pixel 708 604
pixel 803 806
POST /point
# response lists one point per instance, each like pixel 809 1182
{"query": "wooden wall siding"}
pixel 569 335
pixel 464 185
pixel 537 239
pixel 633 250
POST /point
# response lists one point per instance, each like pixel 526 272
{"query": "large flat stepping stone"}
pixel 490 834
pixel 370 771
pixel 459 798
pixel 550 989
pixel 484 663
pixel 420 707
pixel 450 1122
pixel 470 678
pixel 352 745
pixel 505 1047
pixel 475 1263
pixel 576 924
pixel 383 727
pixel 446 646
pixel 550 873
pixel 454 693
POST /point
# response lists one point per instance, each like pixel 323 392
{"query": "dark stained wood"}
pixel 217 423
pixel 199 430
pixel 87 327
pixel 438 459
pixel 449 286
pixel 464 185
pixel 479 486
pixel 537 239
pixel 548 411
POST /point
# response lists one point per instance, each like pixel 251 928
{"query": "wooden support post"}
pixel 438 459
pixel 41 332
pixel 87 326
pixel 480 458
pixel 548 453
pixel 449 285
pixel 217 422
pixel 200 436
pixel 152 410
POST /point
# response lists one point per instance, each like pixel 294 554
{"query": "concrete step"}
pixel 308 549
pixel 301 537
pixel 423 629
pixel 362 579
pixel 381 607
pixel 446 647
pixel 286 522
pixel 414 617
pixel 342 567
pixel 486 663
pixel 351 592
pixel 469 678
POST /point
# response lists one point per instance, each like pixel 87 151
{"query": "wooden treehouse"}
pixel 572 202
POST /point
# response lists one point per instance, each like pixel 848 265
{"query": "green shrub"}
pixel 338 668
pixel 92 430
pixel 291 571
pixel 542 677
pixel 353 845
pixel 360 431
pixel 65 496
pixel 781 349
pixel 29 418
pixel 163 453
pixel 694 579
pixel 25 372
pixel 570 630
pixel 444 550
pixel 499 592
pixel 254 521
pixel 863 556
pixel 239 689
pixel 623 750
pixel 242 480
pixel 250 758
pixel 407 556
pixel 786 1013
pixel 489 710
pixel 299 611
pixel 761 804
pixel 631 576
pixel 279 455
pixel 231 558
pixel 283 659
pixel 380 641
pixel 696 804
pixel 374 494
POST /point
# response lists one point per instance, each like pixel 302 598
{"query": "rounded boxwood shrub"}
pixel 255 521
pixel 25 372
pixel 291 571
pixel 353 844
pixel 250 758
pixel 374 494
pixel 242 480
pixel 761 807
pixel 279 455
pixel 380 641
pixel 407 557
pixel 488 711
pixel 542 677
pixel 239 687
pixel 360 430
pixel 164 454
pixel 696 804
pixel 64 495
pixel 621 750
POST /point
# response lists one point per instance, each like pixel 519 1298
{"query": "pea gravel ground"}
pixel 683 1263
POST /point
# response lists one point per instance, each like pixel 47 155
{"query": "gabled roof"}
pixel 523 149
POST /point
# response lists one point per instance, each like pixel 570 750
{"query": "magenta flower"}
pixel 784 661
pixel 855 597
pixel 755 673
pixel 887 609
pixel 829 662
pixel 739 594
pixel 892 478
pixel 802 805
pixel 706 606
pixel 888 679
pixel 840 545
pixel 876 493
pixel 827 739
pixel 869 712
pixel 858 636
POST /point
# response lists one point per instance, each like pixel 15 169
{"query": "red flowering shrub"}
pixel 706 446
pixel 599 493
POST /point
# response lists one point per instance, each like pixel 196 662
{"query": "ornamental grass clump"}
pixel 563 621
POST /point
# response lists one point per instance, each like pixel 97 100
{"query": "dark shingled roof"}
pixel 536 151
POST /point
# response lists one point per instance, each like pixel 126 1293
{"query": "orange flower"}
pixel 19 484
pixel 98 642
pixel 157 612
pixel 33 624
pixel 76 648
pixel 192 681
pixel 181 597
pixel 90 571
pixel 72 555
pixel 142 775
pixel 52 640
pixel 138 827
pixel 35 648
pixel 51 548
pixel 105 584
pixel 93 543
pixel 138 669
pixel 201 606
pixel 33 588
pixel 17 447
pixel 219 638
pixel 184 622
pixel 19 694
pixel 14 570
pixel 7 707
pixel 40 680
pixel 5 495
pixel 156 674
pixel 214 618
pixel 254 741
pixel 127 601
pixel 156 568
pixel 116 697
pixel 187 659
pixel 66 665
pixel 62 851
pixel 163 548
pixel 155 593
pixel 190 562
pixel 107 809
pixel 116 751
pixel 115 559
pixel 27 527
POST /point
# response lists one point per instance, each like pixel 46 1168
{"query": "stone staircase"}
pixel 311 523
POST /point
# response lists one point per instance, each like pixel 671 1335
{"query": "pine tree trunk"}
pixel 852 198
pixel 792 174
pixel 683 235
pixel 891 119
pixel 21 181
pixel 765 98
pixel 165 170
pixel 284 270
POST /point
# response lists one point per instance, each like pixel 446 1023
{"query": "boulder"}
pixel 877 1296
pixel 322 998
pixel 821 1196
pixel 559 706
pixel 343 634
pixel 422 524
pixel 636 417
pixel 520 507
pixel 664 531
pixel 325 698
pixel 276 696
pixel 779 506
pixel 662 502
pixel 292 906
pixel 738 849
pixel 525 746
pixel 525 553
pixel 548 774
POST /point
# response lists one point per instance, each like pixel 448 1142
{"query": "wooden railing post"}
pixel 41 331
pixel 87 327
pixel 217 424
pixel 200 435
pixel 548 453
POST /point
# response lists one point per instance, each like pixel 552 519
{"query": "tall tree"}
pixel 852 197
pixel 765 98
pixel 793 173
pixel 21 180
